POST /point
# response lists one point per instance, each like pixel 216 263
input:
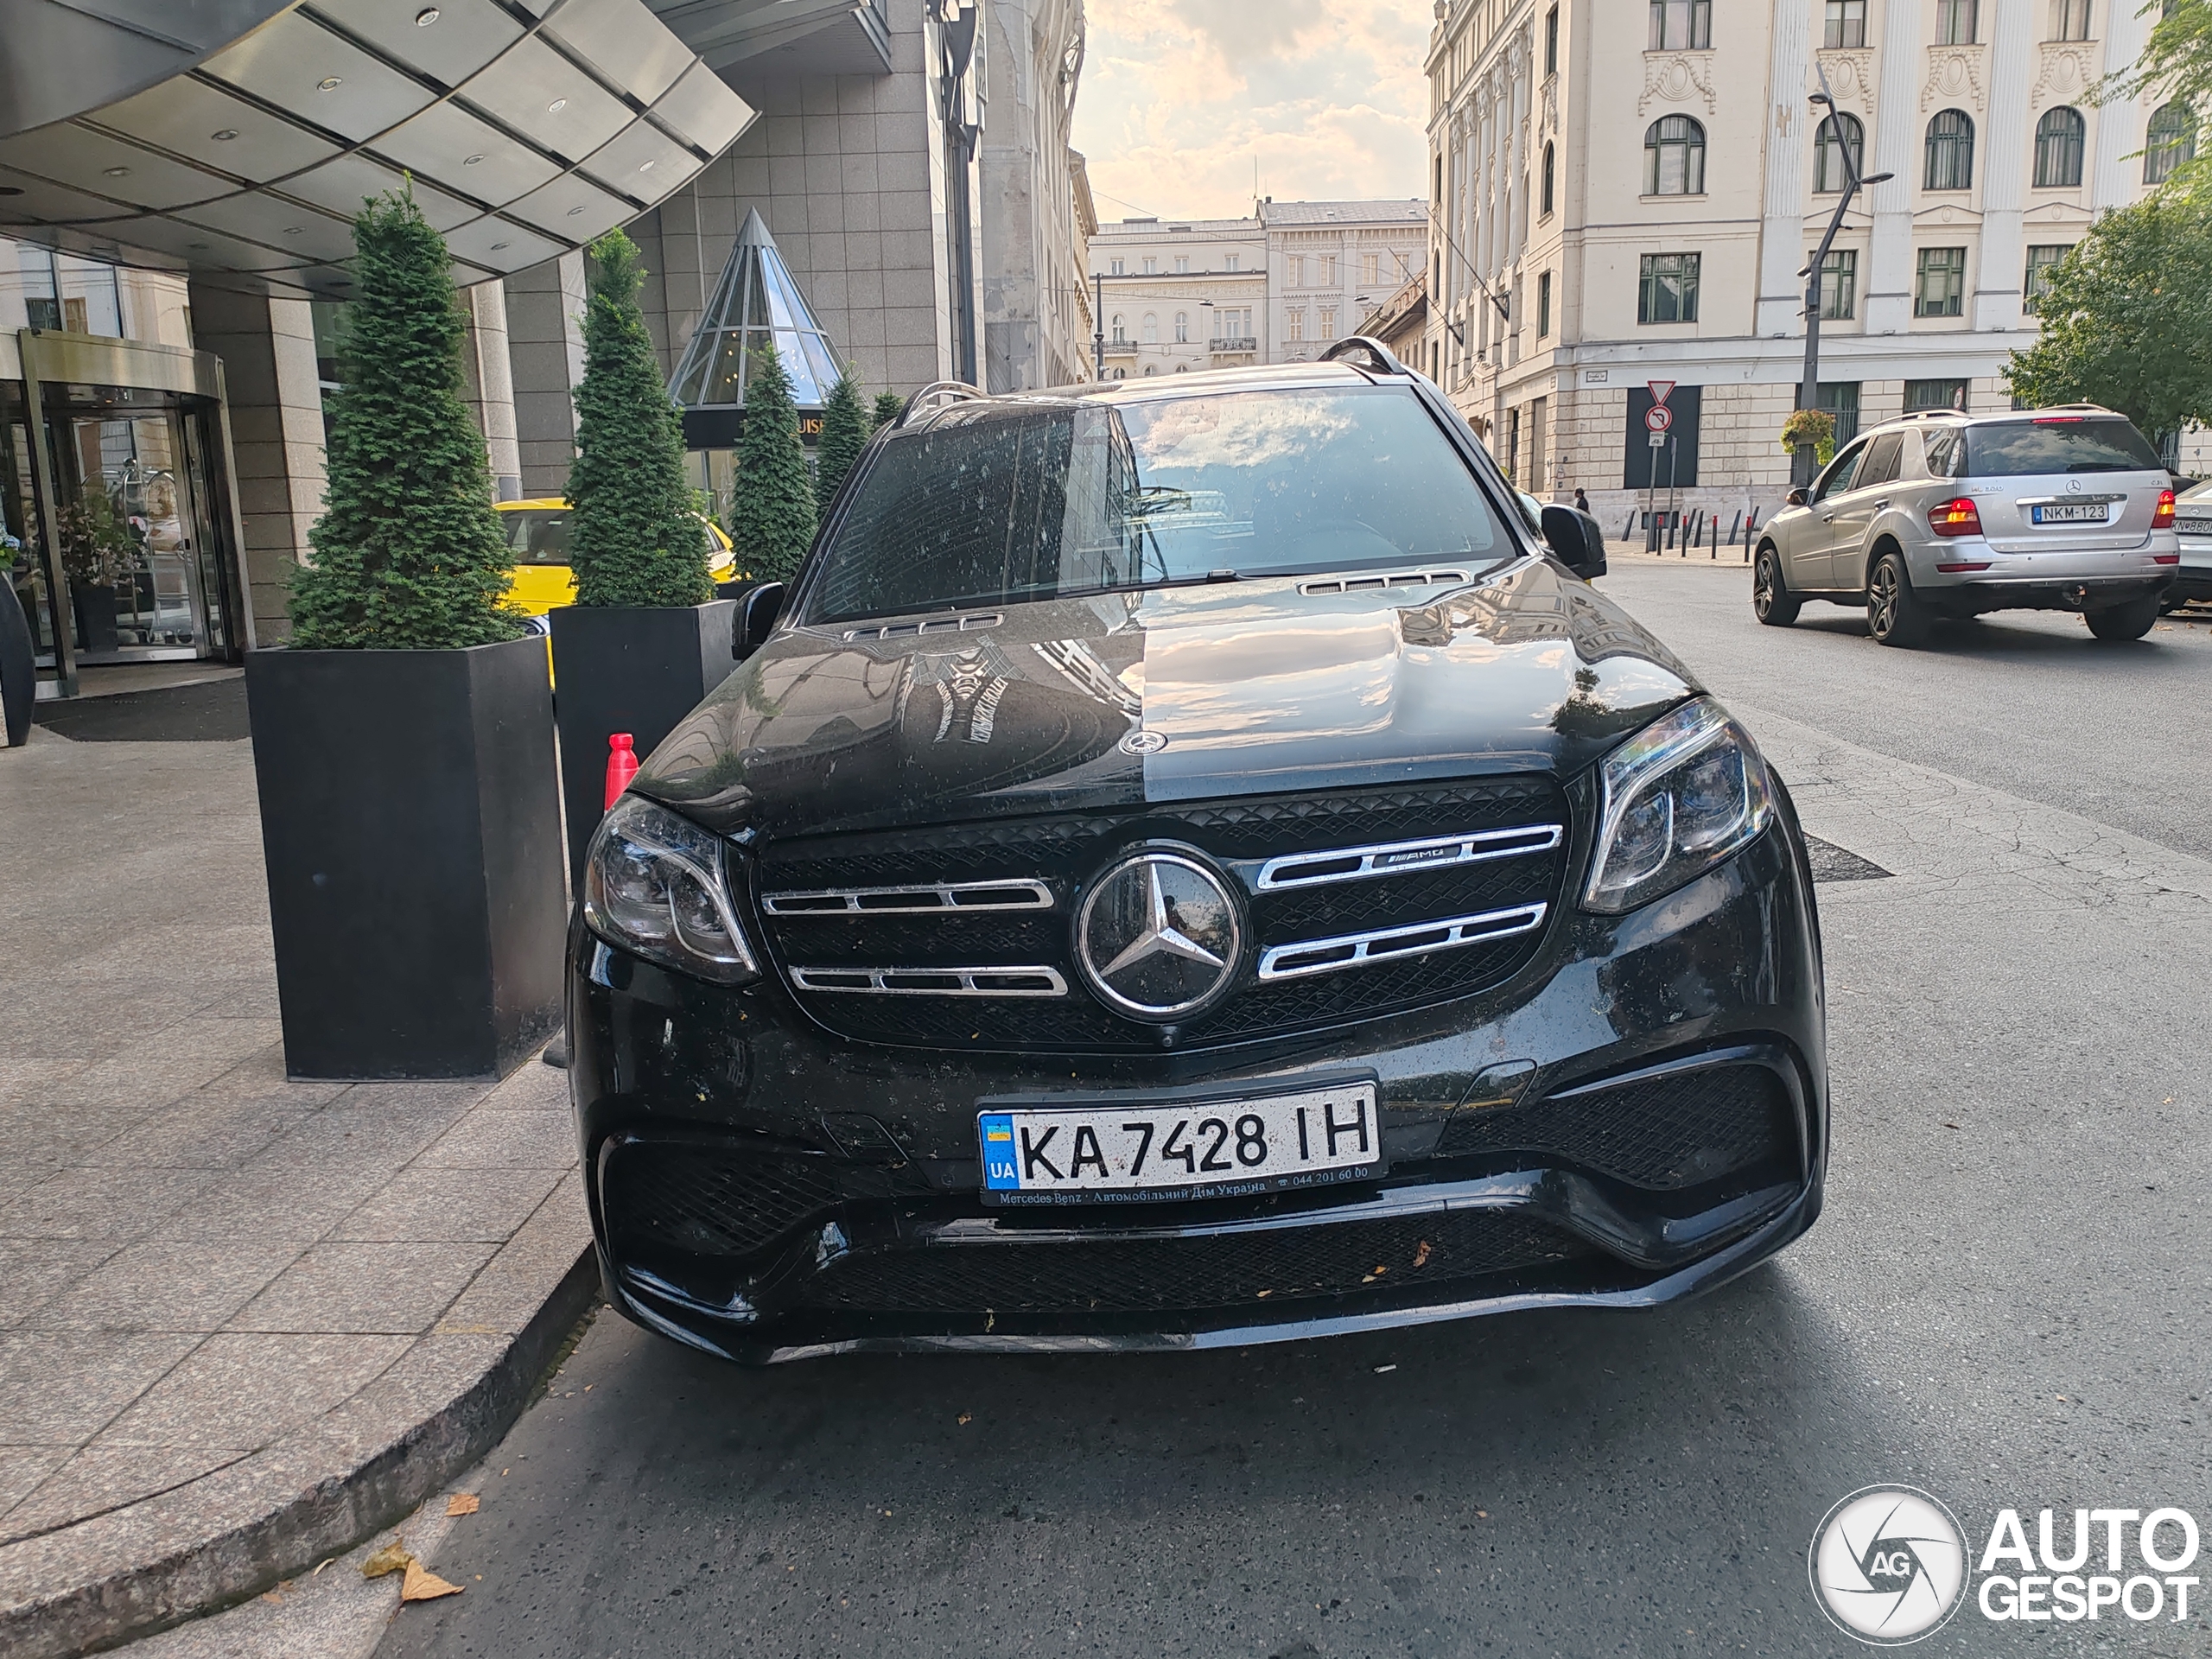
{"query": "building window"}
pixel 1941 290
pixel 1230 263
pixel 1121 374
pixel 1955 21
pixel 1840 285
pixel 1151 266
pixel 1370 269
pixel 2041 255
pixel 1297 323
pixel 2070 20
pixel 62 291
pixel 1934 394
pixel 1544 306
pixel 1182 264
pixel 2170 141
pixel 1676 25
pixel 1151 329
pixel 1120 331
pixel 1544 185
pixel 1674 157
pixel 1846 23
pixel 1951 151
pixel 1328 322
pixel 1328 271
pixel 1117 271
pixel 1551 41
pixel 1832 168
pixel 1841 399
pixel 1667 291
pixel 1182 328
pixel 2058 149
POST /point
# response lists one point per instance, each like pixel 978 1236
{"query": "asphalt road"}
pixel 2022 701
pixel 2004 1305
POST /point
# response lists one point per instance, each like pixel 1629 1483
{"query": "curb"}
pixel 319 1516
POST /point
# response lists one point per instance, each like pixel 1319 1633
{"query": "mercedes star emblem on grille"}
pixel 1159 936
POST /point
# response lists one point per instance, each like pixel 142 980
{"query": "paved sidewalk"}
pixel 244 1322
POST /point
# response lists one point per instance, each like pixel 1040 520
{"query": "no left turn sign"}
pixel 1658 417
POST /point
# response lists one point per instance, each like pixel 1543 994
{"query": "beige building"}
pixel 1275 288
pixel 1615 206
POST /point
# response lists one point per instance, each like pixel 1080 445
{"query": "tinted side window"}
pixel 1942 454
pixel 1881 463
pixel 2065 444
pixel 1837 476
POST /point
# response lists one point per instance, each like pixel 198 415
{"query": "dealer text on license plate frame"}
pixel 1108 1150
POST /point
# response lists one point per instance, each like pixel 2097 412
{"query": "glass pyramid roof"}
pixel 754 302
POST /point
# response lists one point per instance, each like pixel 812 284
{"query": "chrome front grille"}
pixel 1361 903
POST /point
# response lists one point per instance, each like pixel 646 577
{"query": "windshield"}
pixel 2068 444
pixel 537 534
pixel 998 504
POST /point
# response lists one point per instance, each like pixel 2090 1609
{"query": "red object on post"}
pixel 621 765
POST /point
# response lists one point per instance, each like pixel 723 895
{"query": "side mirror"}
pixel 1575 539
pixel 756 618
pixel 1796 498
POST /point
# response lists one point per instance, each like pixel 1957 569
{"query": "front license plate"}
pixel 1128 1151
pixel 2071 512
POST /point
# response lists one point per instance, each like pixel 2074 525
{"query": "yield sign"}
pixel 1660 390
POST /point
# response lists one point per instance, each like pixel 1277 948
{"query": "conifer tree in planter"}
pixel 646 638
pixel 772 501
pixel 844 434
pixel 404 740
pixel 887 407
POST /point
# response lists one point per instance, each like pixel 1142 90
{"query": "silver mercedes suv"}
pixel 1942 515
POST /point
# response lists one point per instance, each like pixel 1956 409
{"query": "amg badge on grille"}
pixel 1159 935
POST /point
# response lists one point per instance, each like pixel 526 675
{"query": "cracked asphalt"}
pixel 2004 1303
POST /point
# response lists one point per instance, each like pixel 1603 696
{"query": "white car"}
pixel 1942 515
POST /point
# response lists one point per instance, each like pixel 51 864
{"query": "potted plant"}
pixel 403 742
pixel 772 499
pixel 646 638
pixel 844 434
pixel 96 552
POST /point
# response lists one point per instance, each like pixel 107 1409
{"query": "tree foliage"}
pixel 887 407
pixel 844 434
pixel 772 500
pixel 409 553
pixel 634 539
pixel 2128 318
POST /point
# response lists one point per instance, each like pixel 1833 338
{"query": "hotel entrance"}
pixel 136 559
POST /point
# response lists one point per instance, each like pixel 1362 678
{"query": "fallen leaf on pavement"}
pixel 392 1558
pixel 967 1417
pixel 463 1504
pixel 1421 1255
pixel 423 1585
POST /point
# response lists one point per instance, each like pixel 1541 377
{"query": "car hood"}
pixel 1117 701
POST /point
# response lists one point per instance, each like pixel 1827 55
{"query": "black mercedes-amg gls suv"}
pixel 1190 863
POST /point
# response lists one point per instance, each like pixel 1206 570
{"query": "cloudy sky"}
pixel 1180 97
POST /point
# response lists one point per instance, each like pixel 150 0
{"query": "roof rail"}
pixel 1378 354
pixel 934 394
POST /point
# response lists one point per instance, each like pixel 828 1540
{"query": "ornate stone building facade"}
pixel 1615 204
pixel 1275 288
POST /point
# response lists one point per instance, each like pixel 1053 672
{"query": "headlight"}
pixel 1680 794
pixel 653 885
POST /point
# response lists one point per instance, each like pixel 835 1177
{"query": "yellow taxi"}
pixel 538 539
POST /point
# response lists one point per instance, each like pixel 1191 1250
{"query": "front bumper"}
pixel 860 1160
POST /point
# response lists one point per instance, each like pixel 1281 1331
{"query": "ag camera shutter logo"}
pixel 1889 1565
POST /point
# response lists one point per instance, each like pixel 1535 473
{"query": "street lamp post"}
pixel 1806 462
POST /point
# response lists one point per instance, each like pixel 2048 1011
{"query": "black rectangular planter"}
pixel 629 668
pixel 411 822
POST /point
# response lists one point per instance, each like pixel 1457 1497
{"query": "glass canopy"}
pixel 754 302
